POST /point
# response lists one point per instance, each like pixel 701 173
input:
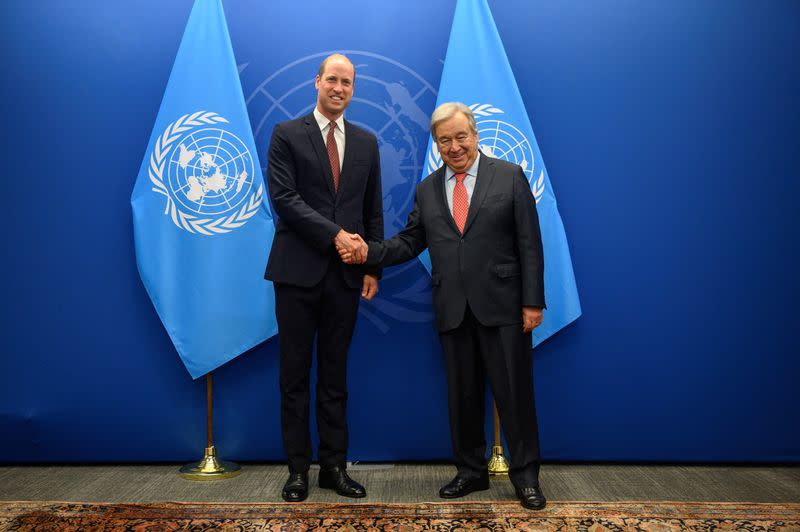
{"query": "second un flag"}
pixel 477 73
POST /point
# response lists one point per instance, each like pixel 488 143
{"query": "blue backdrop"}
pixel 670 132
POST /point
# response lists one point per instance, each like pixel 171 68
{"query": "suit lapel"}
pixel 482 184
pixel 439 177
pixel 312 128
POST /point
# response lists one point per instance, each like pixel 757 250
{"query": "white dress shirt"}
pixel 338 134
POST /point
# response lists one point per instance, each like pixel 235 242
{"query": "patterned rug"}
pixel 558 516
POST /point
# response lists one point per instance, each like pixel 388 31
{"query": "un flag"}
pixel 477 73
pixel 201 225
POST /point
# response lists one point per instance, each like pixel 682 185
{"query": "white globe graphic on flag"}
pixel 210 172
pixel 504 141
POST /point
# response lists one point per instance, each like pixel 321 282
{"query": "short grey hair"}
pixel 446 111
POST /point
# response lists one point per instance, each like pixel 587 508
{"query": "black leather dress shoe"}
pixel 532 497
pixel 460 486
pixel 296 487
pixel 336 478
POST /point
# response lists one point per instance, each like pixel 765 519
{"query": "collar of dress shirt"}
pixel 472 170
pixel 323 121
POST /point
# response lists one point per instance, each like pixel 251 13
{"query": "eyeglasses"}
pixel 445 142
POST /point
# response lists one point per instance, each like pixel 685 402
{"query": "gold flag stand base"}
pixel 209 468
pixel 497 463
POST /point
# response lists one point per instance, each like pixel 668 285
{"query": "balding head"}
pixel 337 57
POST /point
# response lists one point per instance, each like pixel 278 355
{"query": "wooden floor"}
pixel 402 483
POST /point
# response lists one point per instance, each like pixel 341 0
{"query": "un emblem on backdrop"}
pixel 206 174
pixel 388 101
pixel 502 140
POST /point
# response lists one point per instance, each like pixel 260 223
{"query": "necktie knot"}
pixel 460 177
pixel 332 126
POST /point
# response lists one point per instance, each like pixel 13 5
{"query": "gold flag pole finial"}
pixel 497 463
pixel 209 468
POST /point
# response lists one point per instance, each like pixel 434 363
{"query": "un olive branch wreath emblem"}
pixel 158 161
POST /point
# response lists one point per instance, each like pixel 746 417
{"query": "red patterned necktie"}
pixel 333 156
pixel 460 202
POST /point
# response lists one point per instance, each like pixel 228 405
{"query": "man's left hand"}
pixel 531 318
pixel 369 288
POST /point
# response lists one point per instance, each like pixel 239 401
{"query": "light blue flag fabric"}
pixel 202 228
pixel 477 73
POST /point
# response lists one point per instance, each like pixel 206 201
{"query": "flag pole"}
pixel 497 463
pixel 209 468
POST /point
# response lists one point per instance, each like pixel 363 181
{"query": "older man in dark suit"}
pixel 325 185
pixel 477 217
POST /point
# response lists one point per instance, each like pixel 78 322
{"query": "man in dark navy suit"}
pixel 477 217
pixel 325 186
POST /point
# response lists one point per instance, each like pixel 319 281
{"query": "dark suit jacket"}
pixel 496 265
pixel 309 213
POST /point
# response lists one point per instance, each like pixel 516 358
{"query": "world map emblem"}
pixel 205 172
pixel 390 100
pixel 503 140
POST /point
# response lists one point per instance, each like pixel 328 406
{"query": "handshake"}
pixel 351 247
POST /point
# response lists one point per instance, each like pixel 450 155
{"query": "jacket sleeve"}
pixel 373 206
pixel 405 245
pixel 287 202
pixel 529 243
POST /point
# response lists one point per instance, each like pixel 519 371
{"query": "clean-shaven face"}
pixel 335 87
pixel 457 143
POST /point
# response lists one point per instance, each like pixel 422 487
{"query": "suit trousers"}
pixel 328 312
pixel 472 352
